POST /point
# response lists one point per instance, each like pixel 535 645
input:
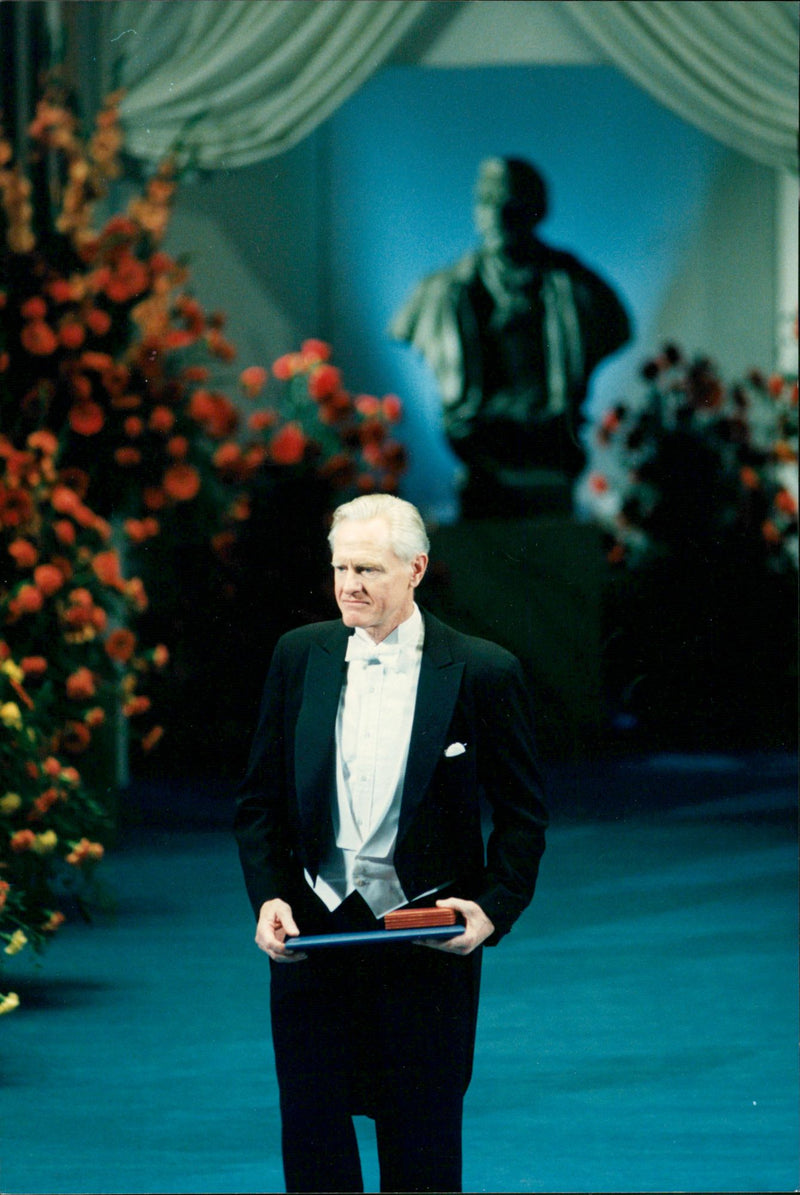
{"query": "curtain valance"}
pixel 239 81
pixel 235 82
pixel 727 66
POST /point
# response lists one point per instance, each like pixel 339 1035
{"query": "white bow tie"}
pixel 393 656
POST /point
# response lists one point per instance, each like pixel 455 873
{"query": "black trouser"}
pixel 386 1031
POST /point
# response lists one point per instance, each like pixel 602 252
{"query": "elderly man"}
pixel 379 738
pixel 513 333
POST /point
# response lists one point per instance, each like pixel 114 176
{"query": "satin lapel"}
pixel 315 735
pixel 439 683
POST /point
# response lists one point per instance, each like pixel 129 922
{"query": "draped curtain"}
pixel 232 83
pixel 727 66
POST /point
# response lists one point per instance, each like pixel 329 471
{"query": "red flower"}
pixel 71 334
pixel 33 665
pixel 368 405
pixel 34 308
pixel 64 531
pixel 107 568
pixel 253 380
pixel 598 483
pixel 181 482
pixel 23 553
pixel 315 350
pixel 288 446
pixel 86 418
pixel 162 419
pixel 28 600
pixel 15 507
pixel 75 737
pixel 48 578
pixel 80 685
pixel 287 366
pixel 43 441
pixel 392 408
pixel 39 339
pixel 98 321
pixel 121 645
pixel 785 503
pixel 324 381
pixel 127 457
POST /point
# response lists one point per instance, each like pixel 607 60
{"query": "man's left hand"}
pixel 477 927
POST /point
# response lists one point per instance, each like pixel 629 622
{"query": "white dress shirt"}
pixel 373 731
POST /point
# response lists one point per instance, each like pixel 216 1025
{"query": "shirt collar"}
pixel 408 635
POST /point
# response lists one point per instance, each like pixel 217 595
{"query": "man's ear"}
pixel 418 566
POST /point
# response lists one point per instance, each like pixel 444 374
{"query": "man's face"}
pixel 374 588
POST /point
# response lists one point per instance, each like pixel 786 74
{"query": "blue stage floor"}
pixel 638 1029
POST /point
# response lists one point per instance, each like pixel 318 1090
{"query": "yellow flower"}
pixel 45 842
pixel 13 670
pixel 16 942
pixel 10 803
pixel 10 715
pixel 9 1003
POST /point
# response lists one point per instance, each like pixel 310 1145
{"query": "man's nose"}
pixel 352 581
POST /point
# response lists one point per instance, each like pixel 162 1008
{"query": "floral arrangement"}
pixel 115 439
pixel 697 467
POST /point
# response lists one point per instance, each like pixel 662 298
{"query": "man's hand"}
pixel 275 925
pixel 477 929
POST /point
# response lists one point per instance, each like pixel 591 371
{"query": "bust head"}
pixel 510 200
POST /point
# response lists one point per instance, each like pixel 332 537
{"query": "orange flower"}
pixel 253 380
pixel 121 645
pixel 392 408
pixel 23 553
pixel 94 717
pixel 75 737
pixel 53 922
pixel 182 482
pixel 33 665
pixel 48 578
pixel 160 655
pixel 51 767
pixel 71 334
pixel 86 418
pixel 44 441
pixel 162 419
pixel 28 600
pixel 153 736
pixel 315 350
pixel 287 446
pixel 260 420
pixel 770 532
pixel 324 381
pixel 43 803
pixel 749 478
pixel 127 456
pixel 227 457
pixel 136 705
pixel 64 532
pixel 64 500
pixel 785 503
pixel 178 447
pixel 287 366
pixel 85 850
pixel 98 321
pixel 23 840
pixel 34 308
pixel 38 338
pixel 367 404
pixel 80 685
pixel 106 566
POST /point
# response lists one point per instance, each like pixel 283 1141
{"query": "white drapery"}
pixel 727 66
pixel 235 82
pixel 242 80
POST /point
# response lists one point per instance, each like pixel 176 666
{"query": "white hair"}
pixel 407 532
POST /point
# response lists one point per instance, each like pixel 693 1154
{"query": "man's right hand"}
pixel 275 925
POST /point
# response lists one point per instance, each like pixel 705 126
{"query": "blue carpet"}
pixel 638 1029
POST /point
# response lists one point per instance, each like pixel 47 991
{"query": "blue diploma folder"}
pixel 374 937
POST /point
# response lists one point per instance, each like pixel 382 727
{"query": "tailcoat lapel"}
pixel 439 684
pixel 315 736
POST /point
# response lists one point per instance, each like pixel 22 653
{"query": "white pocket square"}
pixel 455 749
